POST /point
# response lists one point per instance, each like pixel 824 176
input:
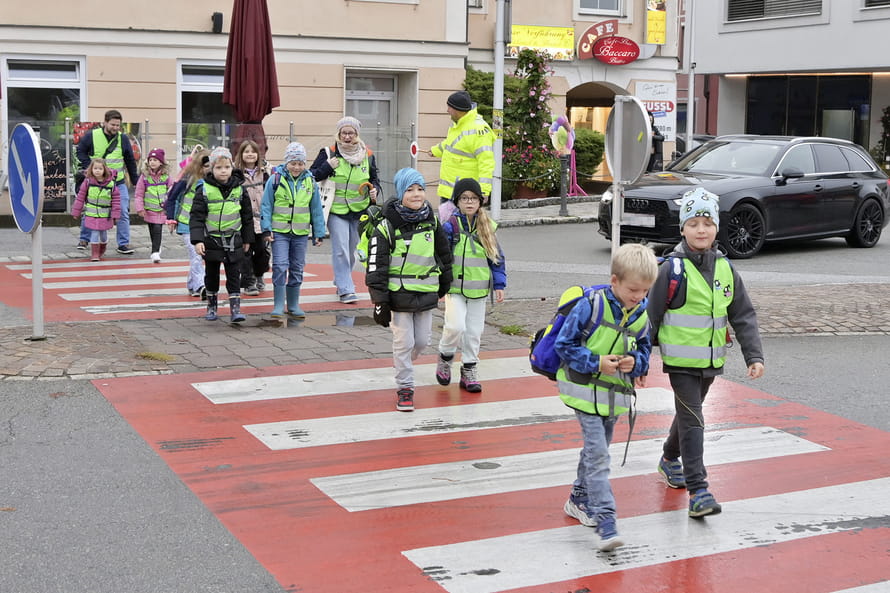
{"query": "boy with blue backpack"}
pixel 604 347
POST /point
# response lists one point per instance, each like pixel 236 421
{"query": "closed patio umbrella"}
pixel 250 84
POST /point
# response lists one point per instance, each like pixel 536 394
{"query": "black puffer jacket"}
pixel 377 277
pixel 215 250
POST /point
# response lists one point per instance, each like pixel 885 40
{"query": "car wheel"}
pixel 867 226
pixel 743 234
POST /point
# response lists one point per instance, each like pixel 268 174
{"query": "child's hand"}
pixel 268 239
pixel 755 370
pixel 626 363
pixel 199 249
pixel 141 213
pixel 609 363
pixel 499 295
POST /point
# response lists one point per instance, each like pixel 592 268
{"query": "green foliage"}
pixel 882 149
pixel 590 147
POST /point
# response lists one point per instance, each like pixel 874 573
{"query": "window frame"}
pixel 619 12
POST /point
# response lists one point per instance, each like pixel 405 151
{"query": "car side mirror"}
pixel 789 173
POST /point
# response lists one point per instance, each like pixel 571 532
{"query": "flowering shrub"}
pixel 529 158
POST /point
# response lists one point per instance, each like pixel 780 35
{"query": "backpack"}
pixel 542 354
pixel 369 220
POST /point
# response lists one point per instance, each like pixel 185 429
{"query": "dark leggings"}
pixel 255 262
pixel 686 439
pixel 155 232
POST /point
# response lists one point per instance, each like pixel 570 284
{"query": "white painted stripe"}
pixel 126 270
pixel 93 283
pixel 295 434
pixel 480 477
pixel 882 587
pixel 347 381
pixel 565 553
pixel 174 305
pixel 150 291
pixel 108 263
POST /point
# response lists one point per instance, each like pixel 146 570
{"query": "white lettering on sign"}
pixel 665 106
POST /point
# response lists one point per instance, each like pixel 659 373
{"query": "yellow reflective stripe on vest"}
pixel 155 194
pixel 472 274
pixel 694 335
pixel 412 264
pixel 185 206
pixel 223 214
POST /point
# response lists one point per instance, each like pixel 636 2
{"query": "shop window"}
pixel 743 10
pixel 201 106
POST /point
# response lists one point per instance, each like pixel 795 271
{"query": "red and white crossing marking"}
pixel 136 289
pixel 328 486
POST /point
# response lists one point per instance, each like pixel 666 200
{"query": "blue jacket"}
pixel 316 210
pixel 498 270
pixel 174 199
pixel 571 348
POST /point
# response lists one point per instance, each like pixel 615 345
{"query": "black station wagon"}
pixel 771 188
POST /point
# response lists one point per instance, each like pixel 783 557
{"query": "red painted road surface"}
pixel 310 543
pixel 114 289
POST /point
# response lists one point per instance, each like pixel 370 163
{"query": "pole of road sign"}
pixel 497 105
pixel 617 188
pixel 26 198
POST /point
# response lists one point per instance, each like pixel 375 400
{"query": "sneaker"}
pixel 609 538
pixel 405 403
pixel 703 503
pixel 468 379
pixel 577 509
pixel 126 249
pixel 260 285
pixel 348 298
pixel 443 369
pixel 196 292
pixel 155 257
pixel 672 471
pixel 251 290
pixel 82 245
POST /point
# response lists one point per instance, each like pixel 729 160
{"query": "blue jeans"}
pixel 593 466
pixel 123 225
pixel 344 239
pixel 288 259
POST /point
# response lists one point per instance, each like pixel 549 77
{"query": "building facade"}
pixel 798 67
pixel 391 63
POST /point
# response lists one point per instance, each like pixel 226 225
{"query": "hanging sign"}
pixel 616 51
pixel 594 32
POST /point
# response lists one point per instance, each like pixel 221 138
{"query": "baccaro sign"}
pixel 616 51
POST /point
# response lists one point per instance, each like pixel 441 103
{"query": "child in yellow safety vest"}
pixel 409 270
pixel 479 270
pixel 692 336
pixel 601 364
pixel 152 190
pixel 99 201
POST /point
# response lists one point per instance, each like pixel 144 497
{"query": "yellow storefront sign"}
pixel 557 42
pixel 656 23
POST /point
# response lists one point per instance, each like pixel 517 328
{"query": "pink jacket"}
pixel 91 222
pixel 139 203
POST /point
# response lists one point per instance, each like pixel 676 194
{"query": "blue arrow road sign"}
pixel 25 178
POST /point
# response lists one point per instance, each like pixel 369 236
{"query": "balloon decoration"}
pixel 562 136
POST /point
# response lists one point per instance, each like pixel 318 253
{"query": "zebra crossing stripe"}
pixel 318 432
pixel 479 477
pixel 347 381
pixel 548 556
pixel 246 304
pixel 146 291
pixel 882 587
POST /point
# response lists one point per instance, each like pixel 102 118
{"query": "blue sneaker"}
pixel 609 538
pixel 672 471
pixel 576 508
pixel 703 503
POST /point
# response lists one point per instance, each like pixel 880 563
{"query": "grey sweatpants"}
pixel 411 334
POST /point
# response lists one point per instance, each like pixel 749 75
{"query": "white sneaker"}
pixel 156 257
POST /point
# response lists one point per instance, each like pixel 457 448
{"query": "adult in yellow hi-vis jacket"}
pixel 467 151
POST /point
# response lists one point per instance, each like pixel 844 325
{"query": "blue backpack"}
pixel 542 353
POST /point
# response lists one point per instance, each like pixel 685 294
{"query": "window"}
pixel 44 92
pixel 201 106
pixel 875 3
pixel 799 157
pixel 856 161
pixel 830 158
pixel 371 98
pixel 599 6
pixel 743 10
pixel 474 3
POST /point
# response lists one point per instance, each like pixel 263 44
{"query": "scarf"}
pixel 353 153
pixel 413 216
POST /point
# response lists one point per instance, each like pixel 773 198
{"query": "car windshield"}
pixel 730 157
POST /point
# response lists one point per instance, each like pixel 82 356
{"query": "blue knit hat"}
pixel 405 178
pixel 699 202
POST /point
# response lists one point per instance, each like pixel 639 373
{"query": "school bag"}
pixel 542 353
pixel 369 221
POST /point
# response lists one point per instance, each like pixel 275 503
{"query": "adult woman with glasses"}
pixel 350 163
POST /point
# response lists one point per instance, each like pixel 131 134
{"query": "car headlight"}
pixel 606 197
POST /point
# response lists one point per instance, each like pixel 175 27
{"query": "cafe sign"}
pixel 616 51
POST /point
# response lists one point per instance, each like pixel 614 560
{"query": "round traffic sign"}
pixel 413 150
pixel 25 178
pixel 628 139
